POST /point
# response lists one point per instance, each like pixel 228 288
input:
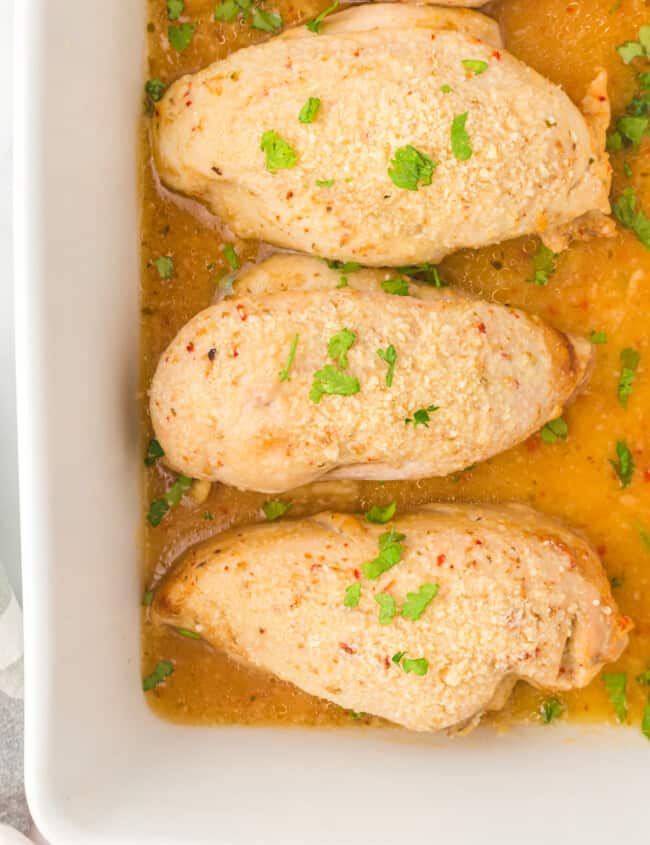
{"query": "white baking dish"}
pixel 99 766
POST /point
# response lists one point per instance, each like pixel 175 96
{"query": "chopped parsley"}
pixel 154 451
pixel 154 89
pixel 388 356
pixel 410 169
pixel 419 665
pixel 387 608
pixel 180 36
pixel 417 603
pixel 165 266
pixel 397 285
pixel 352 595
pixel 163 670
pixel 624 465
pixel 343 266
pixel 643 678
pixel 309 111
pixel 625 212
pixel 231 256
pixel 284 374
pixel 397 657
pixel 187 632
pixel 555 430
pixel 627 169
pixel 274 509
pixel 631 50
pixel 390 554
pixel 544 265
pixel 228 11
pixel 644 537
pixel 266 21
pixel 476 66
pixel 645 720
pixel 616 582
pixel 330 381
pixel 208 515
pixel 356 715
pixel 427 273
pixel 630 128
pixel 159 507
pixel 279 155
pixel 324 183
pixel 343 283
pixel 460 145
pixel 598 337
pixel 616 686
pixel 422 416
pixel 339 346
pixel 315 24
pixel 379 515
pixel 175 9
pixel 630 361
pixel 550 709
pixel 147 598
pixel 446 89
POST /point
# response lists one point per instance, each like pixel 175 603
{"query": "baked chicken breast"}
pixel 296 379
pixel 428 622
pixel 396 135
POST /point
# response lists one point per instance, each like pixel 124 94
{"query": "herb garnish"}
pixel 643 678
pixel 187 632
pixel 397 286
pixel 631 50
pixel 419 665
pixel 427 273
pixel 154 90
pixel 422 416
pixel 163 670
pixel 284 374
pixel 379 515
pixel 446 89
pixel 274 509
pixel 315 24
pixel 159 507
pixel 343 266
pixel 396 658
pixel 309 111
pixel 630 361
pixel 417 603
pixel 624 466
pixel 229 9
pixel 279 155
pixel 555 430
pixel 550 709
pixel 180 36
pixel 460 145
pixel 645 720
pixel 410 169
pixel 390 554
pixel 477 66
pixel 352 595
pixel 231 256
pixel 175 9
pixel 616 686
pixel 387 608
pixel 625 212
pixel 324 183
pixel 147 598
pixel 330 381
pixel 544 265
pixel 165 266
pixel 266 21
pixel 154 451
pixel 598 337
pixel 388 356
pixel 339 345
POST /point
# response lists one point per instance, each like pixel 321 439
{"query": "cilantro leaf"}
pixel 154 89
pixel 460 145
pixel 616 686
pixel 643 678
pixel 324 183
pixel 422 416
pixel 186 632
pixel 309 111
pixel 629 51
pixel 389 356
pixel 410 169
pixel 343 266
pixel 427 273
pixel 159 507
pixel 330 381
pixel 284 374
pixel 477 66
pixel 419 666
pixel 279 155
pixel 154 451
pixel 379 515
pixel 630 360
pixel 625 212
pixel 398 286
pixel 266 21
pixel 544 265
pixel 181 36
pixel 274 509
pixel 598 337
pixel 644 537
pixel 645 720
pixel 550 709
pixel 352 595
pixel 231 256
pixel 165 266
pixel 616 582
pixel 163 670
pixel 390 554
pixel 175 9
pixel 417 603
pixel 632 128
pixel 339 345
pixel 147 598
pixel 446 89
pixel 343 282
pixel 315 24
pixel 555 430
pixel 624 466
pixel 397 657
pixel 226 11
pixel 387 608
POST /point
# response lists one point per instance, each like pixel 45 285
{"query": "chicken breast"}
pixel 424 136
pixel 298 379
pixel 476 598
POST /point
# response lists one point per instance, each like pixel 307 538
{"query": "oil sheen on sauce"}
pixel 602 285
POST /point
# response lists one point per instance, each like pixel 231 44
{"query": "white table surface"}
pixel 9 541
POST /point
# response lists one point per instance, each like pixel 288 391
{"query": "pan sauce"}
pixel 603 285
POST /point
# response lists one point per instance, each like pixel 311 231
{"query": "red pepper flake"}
pixel 602 98
pixel 190 347
pixel 289 194
pixel 481 328
pixel 602 550
pixel 315 567
pixel 235 352
pixel 357 574
pixel 497 55
pixel 188 103
pixel 348 649
pixel 646 474
pixel 356 53
pixel 433 37
pixel 478 542
pixel 386 662
pixel 441 559
pixel 243 316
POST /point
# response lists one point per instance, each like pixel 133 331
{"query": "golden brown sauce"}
pixel 602 285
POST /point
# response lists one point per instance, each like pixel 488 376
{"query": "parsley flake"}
pixel 427 273
pixel 165 266
pixel 343 266
pixel 379 515
pixel 279 155
pixel 644 537
pixel 147 598
pixel 632 129
pixel 419 665
pixel 630 361
pixel 324 183
pixel 187 632
pixel 422 416
pixel 460 145
pixel 624 466
pixel 175 9
pixel 339 345
pixel 352 595
pixel 274 509
pixel 159 507
pixel 227 11
pixel 181 36
pixel 390 554
pixel 343 283
pixel 154 89
pixel 154 451
pixel 598 337
pixel 630 50
pixel 163 670
pixel 550 709
pixel 231 256
pixel 330 381
pixel 446 89
pixel 476 66
pixel 387 608
pixel 555 430
pixel 410 169
pixel 309 111
pixel 266 21
pixel 625 212
pixel 616 686
pixel 616 582
pixel 417 603
pixel 643 678
pixel 544 265
pixel 284 374
pixel 397 657
pixel 388 356
pixel 397 286
pixel 315 24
